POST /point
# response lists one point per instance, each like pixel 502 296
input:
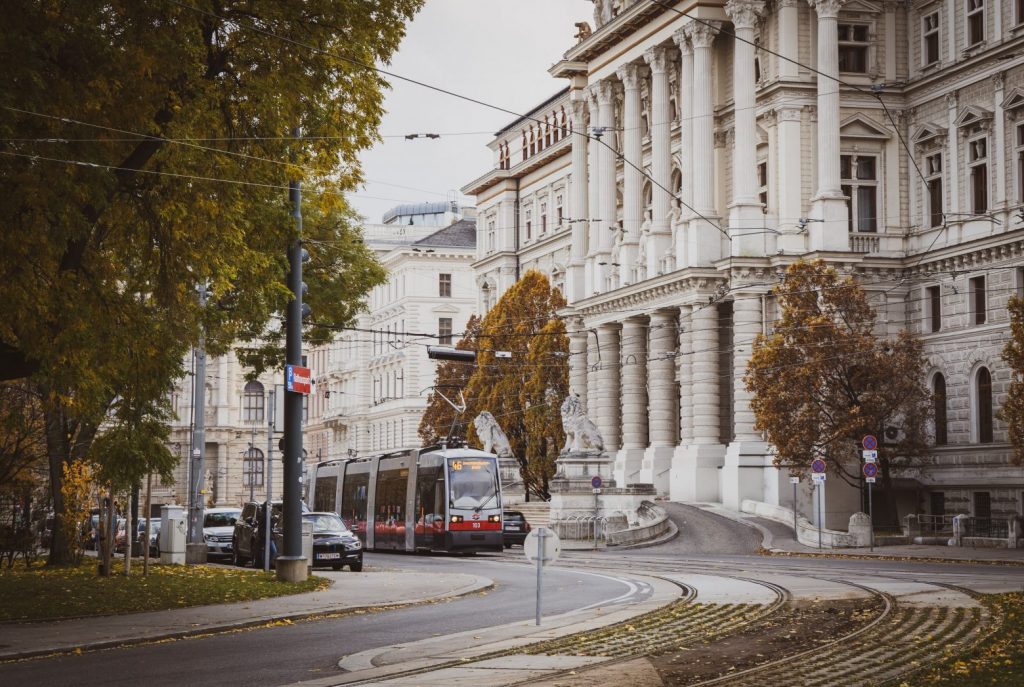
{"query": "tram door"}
pixel 430 507
pixel 389 525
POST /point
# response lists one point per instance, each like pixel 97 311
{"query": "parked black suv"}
pixel 514 527
pixel 247 539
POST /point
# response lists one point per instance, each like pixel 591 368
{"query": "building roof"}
pixel 461 234
pixel 433 208
pixel 528 117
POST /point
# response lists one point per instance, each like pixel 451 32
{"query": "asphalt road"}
pixel 705 533
pixel 281 655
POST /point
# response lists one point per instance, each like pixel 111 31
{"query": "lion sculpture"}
pixel 491 435
pixel 581 435
pixel 583 31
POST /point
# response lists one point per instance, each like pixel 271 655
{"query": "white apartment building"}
pixel 369 380
pixel 698 150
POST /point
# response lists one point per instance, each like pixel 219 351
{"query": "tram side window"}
pixel 390 497
pixel 326 491
pixel 353 499
pixel 429 502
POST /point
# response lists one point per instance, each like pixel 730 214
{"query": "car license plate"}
pixel 512 528
pixel 327 556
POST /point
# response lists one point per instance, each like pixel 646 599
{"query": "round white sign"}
pixel 552 546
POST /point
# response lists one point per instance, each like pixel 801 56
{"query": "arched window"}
pixel 252 402
pixel 252 468
pixel 984 398
pixel 939 399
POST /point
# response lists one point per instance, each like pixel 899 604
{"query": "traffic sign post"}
pixel 870 471
pixel 541 545
pixel 818 468
pixel 794 481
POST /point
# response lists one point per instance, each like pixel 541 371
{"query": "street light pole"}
pixel 196 548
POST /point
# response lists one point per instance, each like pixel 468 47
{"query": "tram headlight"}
pixel 494 518
pixel 456 518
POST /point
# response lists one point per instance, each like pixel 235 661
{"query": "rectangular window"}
pixel 1019 15
pixel 1019 152
pixel 853 48
pixel 979 303
pixel 859 177
pixel 933 307
pixel 543 218
pixel 930 39
pixel 975 22
pixel 933 168
pixel 444 285
pixel 491 236
pixel 977 161
pixel 558 211
pixel 762 182
pixel 1019 283
pixel 444 331
pixel 982 504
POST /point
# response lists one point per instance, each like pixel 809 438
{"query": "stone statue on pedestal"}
pixel 581 434
pixel 491 435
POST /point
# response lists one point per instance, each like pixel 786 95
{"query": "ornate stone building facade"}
pixel 700 149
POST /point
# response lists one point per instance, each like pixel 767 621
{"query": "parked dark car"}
pixel 514 527
pixel 247 539
pixel 334 544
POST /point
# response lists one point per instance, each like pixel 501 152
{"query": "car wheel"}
pixel 356 567
pixel 254 555
pixel 235 558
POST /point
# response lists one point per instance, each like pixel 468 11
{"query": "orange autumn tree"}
pixel 515 389
pixel 452 377
pixel 824 378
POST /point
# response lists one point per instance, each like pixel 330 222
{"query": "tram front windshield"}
pixel 473 483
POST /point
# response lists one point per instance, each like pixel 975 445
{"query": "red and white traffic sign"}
pixel 870 469
pixel 869 442
pixel 298 379
pixel 818 466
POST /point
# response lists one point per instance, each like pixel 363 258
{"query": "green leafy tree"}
pixel 148 151
pixel 516 324
pixel 1012 412
pixel 439 418
pixel 823 379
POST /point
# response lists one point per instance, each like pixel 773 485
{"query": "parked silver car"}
pixel 218 526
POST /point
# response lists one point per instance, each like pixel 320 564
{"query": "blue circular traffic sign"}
pixel 818 465
pixel 869 442
pixel 595 481
pixel 870 469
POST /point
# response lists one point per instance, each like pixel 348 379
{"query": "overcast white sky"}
pixel 496 51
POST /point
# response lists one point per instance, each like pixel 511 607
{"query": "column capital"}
pixel 631 75
pixel 658 58
pixel 579 108
pixel 591 92
pixel 682 41
pixel 606 91
pixel 744 13
pixel 788 3
pixel 827 9
pixel 702 34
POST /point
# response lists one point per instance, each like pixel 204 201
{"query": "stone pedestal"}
pixel 743 473
pixel 694 474
pixel 628 466
pixel 574 470
pixel 195 554
pixel 656 467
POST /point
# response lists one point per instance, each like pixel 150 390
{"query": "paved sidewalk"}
pixel 778 539
pixel 349 591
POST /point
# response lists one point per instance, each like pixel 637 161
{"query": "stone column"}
pixel 828 204
pixel 607 184
pixel 788 39
pixel 576 287
pixel 593 193
pixel 788 123
pixel 634 401
pixel 590 403
pixel 745 212
pixel 685 103
pixel 664 404
pixel 608 394
pixel 632 199
pixel 685 372
pixel 743 475
pixel 695 465
pixel 705 244
pixel 578 360
pixel 658 59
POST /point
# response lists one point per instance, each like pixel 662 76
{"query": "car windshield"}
pixel 325 522
pixel 474 483
pixel 223 519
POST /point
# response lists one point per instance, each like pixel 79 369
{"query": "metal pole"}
pixel 541 533
pixel 292 507
pixel 198 453
pixel 819 513
pixel 871 517
pixel 795 534
pixel 269 472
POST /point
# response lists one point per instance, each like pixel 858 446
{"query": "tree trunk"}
pixel 56 453
pixel 149 524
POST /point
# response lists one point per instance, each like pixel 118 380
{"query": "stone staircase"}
pixel 538 513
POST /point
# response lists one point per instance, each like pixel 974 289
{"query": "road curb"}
pixel 479 584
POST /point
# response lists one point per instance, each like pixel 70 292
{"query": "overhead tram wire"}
pixel 445 91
